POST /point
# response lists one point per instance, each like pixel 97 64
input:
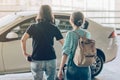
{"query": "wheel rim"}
pixel 96 67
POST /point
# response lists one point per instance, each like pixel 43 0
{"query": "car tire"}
pixel 96 68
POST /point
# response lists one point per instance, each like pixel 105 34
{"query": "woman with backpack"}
pixel 74 72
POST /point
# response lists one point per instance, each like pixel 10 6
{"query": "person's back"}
pixel 43 58
pixel 74 72
pixel 43 34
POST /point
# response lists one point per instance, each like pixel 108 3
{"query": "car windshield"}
pixel 7 19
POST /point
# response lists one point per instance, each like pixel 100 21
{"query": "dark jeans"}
pixel 77 73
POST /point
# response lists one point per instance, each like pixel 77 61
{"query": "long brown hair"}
pixel 45 14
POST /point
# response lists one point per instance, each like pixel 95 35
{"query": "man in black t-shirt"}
pixel 43 34
pixel 43 58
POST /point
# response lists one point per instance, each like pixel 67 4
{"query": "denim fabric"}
pixel 78 73
pixel 39 67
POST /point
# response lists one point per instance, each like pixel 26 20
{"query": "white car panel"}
pixel 13 57
pixel 107 45
pixel 1 60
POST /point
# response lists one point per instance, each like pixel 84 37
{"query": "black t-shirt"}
pixel 43 34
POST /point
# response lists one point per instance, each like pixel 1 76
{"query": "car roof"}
pixel 9 18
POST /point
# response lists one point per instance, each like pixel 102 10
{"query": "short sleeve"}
pixel 88 35
pixel 58 34
pixel 30 30
pixel 68 43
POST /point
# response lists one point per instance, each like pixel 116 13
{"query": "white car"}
pixel 14 25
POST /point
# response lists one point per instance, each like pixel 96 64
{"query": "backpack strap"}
pixel 85 34
pixel 80 35
pixel 77 34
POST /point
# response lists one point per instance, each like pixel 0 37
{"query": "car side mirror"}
pixel 11 35
pixel 86 24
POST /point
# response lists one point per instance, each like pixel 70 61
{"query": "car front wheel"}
pixel 96 68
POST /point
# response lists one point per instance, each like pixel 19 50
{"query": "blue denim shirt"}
pixel 71 40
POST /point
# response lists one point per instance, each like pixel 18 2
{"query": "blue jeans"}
pixel 78 73
pixel 39 67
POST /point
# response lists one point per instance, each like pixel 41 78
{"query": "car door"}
pixel 1 60
pixel 62 22
pixel 14 61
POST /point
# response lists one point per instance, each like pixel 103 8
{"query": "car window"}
pixel 62 22
pixel 21 27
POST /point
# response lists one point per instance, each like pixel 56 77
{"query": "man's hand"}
pixel 28 57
